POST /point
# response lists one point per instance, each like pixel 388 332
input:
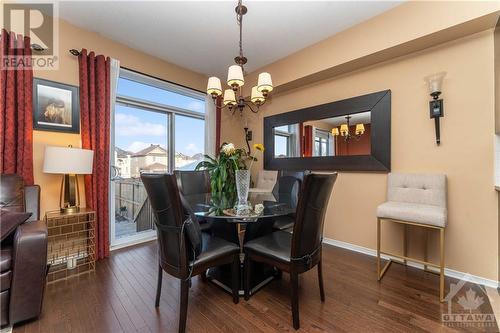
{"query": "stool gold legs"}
pixel 441 264
pixel 405 258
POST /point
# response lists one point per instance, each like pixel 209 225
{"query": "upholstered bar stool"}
pixel 418 200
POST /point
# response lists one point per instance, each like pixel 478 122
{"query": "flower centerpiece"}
pixel 229 174
pixel 222 169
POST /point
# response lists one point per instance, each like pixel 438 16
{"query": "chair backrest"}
pixel 193 182
pixel 310 216
pixel 427 189
pixel 288 190
pixel 267 179
pixel 163 195
pixel 299 175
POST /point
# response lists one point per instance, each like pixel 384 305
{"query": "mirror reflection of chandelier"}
pixel 346 133
pixel 235 79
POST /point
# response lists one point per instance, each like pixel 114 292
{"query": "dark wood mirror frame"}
pixel 378 103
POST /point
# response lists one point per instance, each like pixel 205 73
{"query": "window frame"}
pixel 170 110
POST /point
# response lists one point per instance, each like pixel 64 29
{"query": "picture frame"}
pixel 56 107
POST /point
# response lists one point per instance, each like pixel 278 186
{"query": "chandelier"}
pixel 346 133
pixel 233 98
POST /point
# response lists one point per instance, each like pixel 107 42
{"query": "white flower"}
pixel 228 149
pixel 259 208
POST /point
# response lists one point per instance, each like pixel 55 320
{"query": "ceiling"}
pixel 203 36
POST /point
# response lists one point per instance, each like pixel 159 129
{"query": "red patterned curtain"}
pixel 308 141
pixel 16 95
pixel 95 124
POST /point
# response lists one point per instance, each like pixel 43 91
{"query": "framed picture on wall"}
pixel 56 107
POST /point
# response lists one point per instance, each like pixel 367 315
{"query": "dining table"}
pixel 228 221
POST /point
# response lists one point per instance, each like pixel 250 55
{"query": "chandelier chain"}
pixel 239 19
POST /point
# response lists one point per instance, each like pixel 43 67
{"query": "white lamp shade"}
pixel 256 97
pixel 360 129
pixel 344 129
pixel 229 97
pixel 235 76
pixel 265 83
pixel 66 160
pixel 435 82
pixel 214 86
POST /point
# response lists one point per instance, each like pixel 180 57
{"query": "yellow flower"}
pixel 258 146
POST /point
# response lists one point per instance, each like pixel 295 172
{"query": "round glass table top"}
pixel 224 206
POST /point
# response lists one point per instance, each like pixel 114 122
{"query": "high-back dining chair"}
pixel 183 250
pixel 194 182
pixel 287 188
pixel 266 180
pixel 298 252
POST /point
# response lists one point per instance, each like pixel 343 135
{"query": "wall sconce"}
pixel 436 106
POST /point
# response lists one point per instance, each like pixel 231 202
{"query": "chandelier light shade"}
pixel 229 97
pixel 335 131
pixel 265 83
pixel 233 98
pixel 214 86
pixel 344 129
pixel 257 98
pixel 235 76
pixel 360 129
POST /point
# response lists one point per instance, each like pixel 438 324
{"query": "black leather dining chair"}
pixel 194 182
pixel 183 250
pixel 298 252
pixel 287 188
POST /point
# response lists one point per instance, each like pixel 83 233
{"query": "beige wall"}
pixel 465 155
pixel 72 37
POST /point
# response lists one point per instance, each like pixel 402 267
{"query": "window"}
pixel 153 118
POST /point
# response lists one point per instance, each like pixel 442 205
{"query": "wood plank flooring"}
pixel 119 297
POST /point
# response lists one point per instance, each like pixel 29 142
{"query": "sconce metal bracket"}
pixel 436 109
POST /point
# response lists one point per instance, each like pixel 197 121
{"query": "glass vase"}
pixel 242 186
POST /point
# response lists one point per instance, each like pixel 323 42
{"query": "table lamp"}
pixel 69 162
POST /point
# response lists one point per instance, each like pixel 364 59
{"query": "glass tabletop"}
pixel 223 206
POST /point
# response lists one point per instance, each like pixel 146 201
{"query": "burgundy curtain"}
pixel 95 124
pixel 16 95
pixel 308 141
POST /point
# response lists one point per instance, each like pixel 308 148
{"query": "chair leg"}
pixel 320 280
pixel 184 306
pixel 158 286
pixel 441 265
pixel 247 270
pixel 236 279
pixel 378 249
pixel 294 278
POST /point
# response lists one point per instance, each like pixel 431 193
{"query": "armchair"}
pixel 23 256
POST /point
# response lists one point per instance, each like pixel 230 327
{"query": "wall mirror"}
pixel 350 135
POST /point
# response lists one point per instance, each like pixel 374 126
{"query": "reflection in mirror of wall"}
pixel 347 135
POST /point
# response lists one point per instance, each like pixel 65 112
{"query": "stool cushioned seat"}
pixel 412 212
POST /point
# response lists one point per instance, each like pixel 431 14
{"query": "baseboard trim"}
pixel 448 272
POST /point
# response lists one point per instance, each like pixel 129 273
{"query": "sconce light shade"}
pixel 256 96
pixel 335 131
pixel 344 129
pixel 229 97
pixel 435 82
pixel 235 76
pixel 360 129
pixel 265 83
pixel 214 86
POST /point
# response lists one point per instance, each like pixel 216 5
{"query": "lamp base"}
pixel 71 209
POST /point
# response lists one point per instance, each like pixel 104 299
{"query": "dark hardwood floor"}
pixel 119 297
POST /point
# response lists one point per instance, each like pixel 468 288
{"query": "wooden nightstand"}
pixel 71 243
